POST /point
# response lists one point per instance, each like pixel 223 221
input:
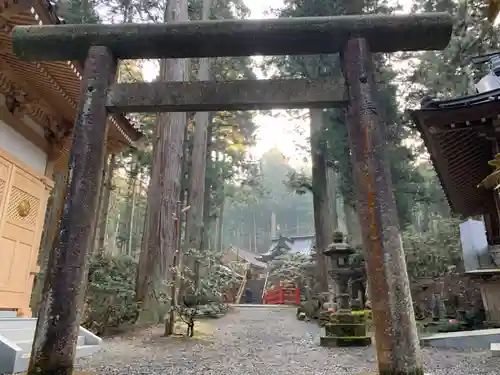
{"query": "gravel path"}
pixel 260 341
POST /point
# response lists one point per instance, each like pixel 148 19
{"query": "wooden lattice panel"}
pixel 22 204
pixel 2 191
pixel 4 178
pixel 23 207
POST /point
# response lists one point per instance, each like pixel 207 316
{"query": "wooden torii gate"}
pixel 355 37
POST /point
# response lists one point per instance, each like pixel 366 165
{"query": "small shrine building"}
pixel 462 136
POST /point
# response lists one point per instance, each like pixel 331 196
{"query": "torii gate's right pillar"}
pixel 396 336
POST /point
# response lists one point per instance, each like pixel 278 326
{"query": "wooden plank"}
pixel 282 36
pixel 210 96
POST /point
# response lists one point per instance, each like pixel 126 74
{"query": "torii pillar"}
pixel 396 335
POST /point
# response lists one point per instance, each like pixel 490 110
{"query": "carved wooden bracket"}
pixel 19 101
pixel 9 8
pixel 11 102
pixel 57 132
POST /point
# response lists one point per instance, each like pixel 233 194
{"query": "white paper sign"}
pixel 474 244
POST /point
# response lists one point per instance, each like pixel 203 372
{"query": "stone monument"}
pixel 343 328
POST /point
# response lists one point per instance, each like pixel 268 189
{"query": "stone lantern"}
pixel 343 328
pixel 340 272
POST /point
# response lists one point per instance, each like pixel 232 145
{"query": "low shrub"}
pixel 110 296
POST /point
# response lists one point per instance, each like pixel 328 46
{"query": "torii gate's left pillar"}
pixel 60 317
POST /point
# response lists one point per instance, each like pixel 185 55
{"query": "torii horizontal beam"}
pixel 240 95
pixel 282 36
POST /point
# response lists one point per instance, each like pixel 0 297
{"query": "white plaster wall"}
pixel 21 148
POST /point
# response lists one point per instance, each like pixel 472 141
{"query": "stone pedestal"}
pixel 345 329
pixel 342 327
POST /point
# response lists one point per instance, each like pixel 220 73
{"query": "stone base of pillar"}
pixel 334 341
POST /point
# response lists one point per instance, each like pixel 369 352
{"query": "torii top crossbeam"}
pixel 284 36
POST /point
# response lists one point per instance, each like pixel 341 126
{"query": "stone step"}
pixel 16 340
pixel 495 349
pixel 7 314
pixel 13 323
pixel 17 334
pixel 81 351
pixel 26 345
pixel 479 339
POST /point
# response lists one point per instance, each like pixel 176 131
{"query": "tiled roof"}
pixel 457 134
pixel 297 244
pixel 249 256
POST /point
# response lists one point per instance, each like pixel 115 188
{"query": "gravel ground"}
pixel 258 341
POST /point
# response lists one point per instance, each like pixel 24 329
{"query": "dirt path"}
pixel 252 341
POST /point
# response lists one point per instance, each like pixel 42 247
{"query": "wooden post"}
pixel 396 338
pixel 297 296
pixel 57 328
pixel 281 295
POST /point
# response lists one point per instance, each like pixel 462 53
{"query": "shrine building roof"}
pixel 54 85
pixel 460 135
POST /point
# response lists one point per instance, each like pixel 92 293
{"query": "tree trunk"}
pixel 207 195
pixel 164 191
pixel 425 220
pixel 352 224
pixel 217 218
pixel 273 226
pixel 186 191
pixel 85 11
pixel 332 182
pixel 170 320
pixel 103 217
pixel 114 250
pixel 220 225
pixel 131 251
pixel 254 231
pixel 131 204
pixel 322 216
pixel 184 198
pixel 198 168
